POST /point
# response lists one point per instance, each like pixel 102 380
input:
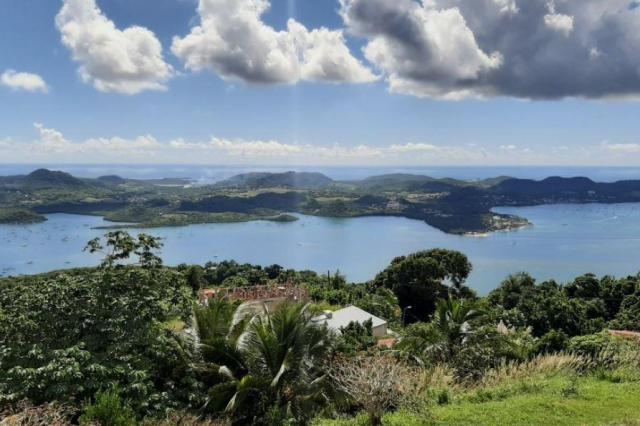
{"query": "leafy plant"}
pixel 109 410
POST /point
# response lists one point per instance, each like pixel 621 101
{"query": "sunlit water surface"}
pixel 565 241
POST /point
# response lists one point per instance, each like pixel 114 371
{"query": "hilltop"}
pixel 451 205
pixel 294 180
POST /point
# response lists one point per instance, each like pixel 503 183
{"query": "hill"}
pixel 43 178
pixel 407 182
pixel 560 189
pixel 112 180
pixel 293 180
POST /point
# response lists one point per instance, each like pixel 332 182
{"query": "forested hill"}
pixel 558 189
pixel 451 205
pixel 41 178
pixel 302 180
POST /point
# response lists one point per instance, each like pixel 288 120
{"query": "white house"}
pixel 342 318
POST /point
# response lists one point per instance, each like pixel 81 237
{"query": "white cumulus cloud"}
pixel 23 81
pixel 424 50
pixel 233 41
pixel 558 21
pixel 52 146
pixel 125 61
pixel 531 49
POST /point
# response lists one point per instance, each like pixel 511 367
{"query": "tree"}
pixel 420 279
pixel 66 335
pixel 272 361
pixel 586 287
pixel 356 337
pixel 119 246
pixel 512 290
pixel 453 323
pixel 273 271
pixel 628 318
pixel 377 383
pixel 195 277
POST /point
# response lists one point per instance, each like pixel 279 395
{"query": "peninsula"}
pixel 451 205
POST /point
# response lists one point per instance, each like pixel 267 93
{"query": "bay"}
pixel 565 241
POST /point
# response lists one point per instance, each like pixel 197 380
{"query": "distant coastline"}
pixel 454 206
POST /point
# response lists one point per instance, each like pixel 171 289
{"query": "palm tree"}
pixel 451 326
pixel 272 360
pixel 453 319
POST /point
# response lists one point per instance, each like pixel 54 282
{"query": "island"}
pixel 450 205
pixel 17 216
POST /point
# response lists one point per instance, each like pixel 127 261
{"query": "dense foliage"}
pixel 421 279
pixel 584 306
pixel 66 336
pixel 128 340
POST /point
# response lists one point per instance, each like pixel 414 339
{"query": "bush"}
pixel 593 344
pixel 552 342
pixel 377 383
pixel 628 318
pixel 356 337
pixel 99 327
pixel 109 410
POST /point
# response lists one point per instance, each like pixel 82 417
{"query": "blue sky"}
pixel 390 104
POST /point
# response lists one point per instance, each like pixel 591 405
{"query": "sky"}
pixel 320 82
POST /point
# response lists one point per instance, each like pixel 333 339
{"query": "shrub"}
pixel 109 410
pixel 593 344
pixel 356 337
pixel 552 342
pixel 377 383
pixel 539 365
pixel 628 318
pixel 179 418
pixel 98 327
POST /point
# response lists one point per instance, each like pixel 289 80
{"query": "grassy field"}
pixel 559 400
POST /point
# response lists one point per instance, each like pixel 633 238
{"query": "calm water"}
pixel 567 240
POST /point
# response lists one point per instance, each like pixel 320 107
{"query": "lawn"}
pixel 547 401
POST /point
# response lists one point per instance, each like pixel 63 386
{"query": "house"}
pixel 257 293
pixel 260 296
pixel 343 317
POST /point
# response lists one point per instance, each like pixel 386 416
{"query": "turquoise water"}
pixel 565 241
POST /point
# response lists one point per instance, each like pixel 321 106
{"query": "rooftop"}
pixel 343 317
pixel 257 293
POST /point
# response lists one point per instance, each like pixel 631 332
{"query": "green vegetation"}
pixel 538 401
pixel 19 216
pixel 128 343
pixel 450 205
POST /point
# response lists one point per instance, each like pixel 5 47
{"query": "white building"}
pixel 342 318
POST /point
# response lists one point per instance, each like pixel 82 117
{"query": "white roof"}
pixel 342 318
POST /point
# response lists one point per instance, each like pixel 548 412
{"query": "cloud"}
pixel 23 81
pixel 507 6
pixel 531 49
pixel 125 61
pixel 53 142
pixel 233 41
pixel 52 146
pixel 621 148
pixel 413 147
pixel 557 21
pixel 423 50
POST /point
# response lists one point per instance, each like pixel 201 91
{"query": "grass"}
pixel 560 399
pixel 592 402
